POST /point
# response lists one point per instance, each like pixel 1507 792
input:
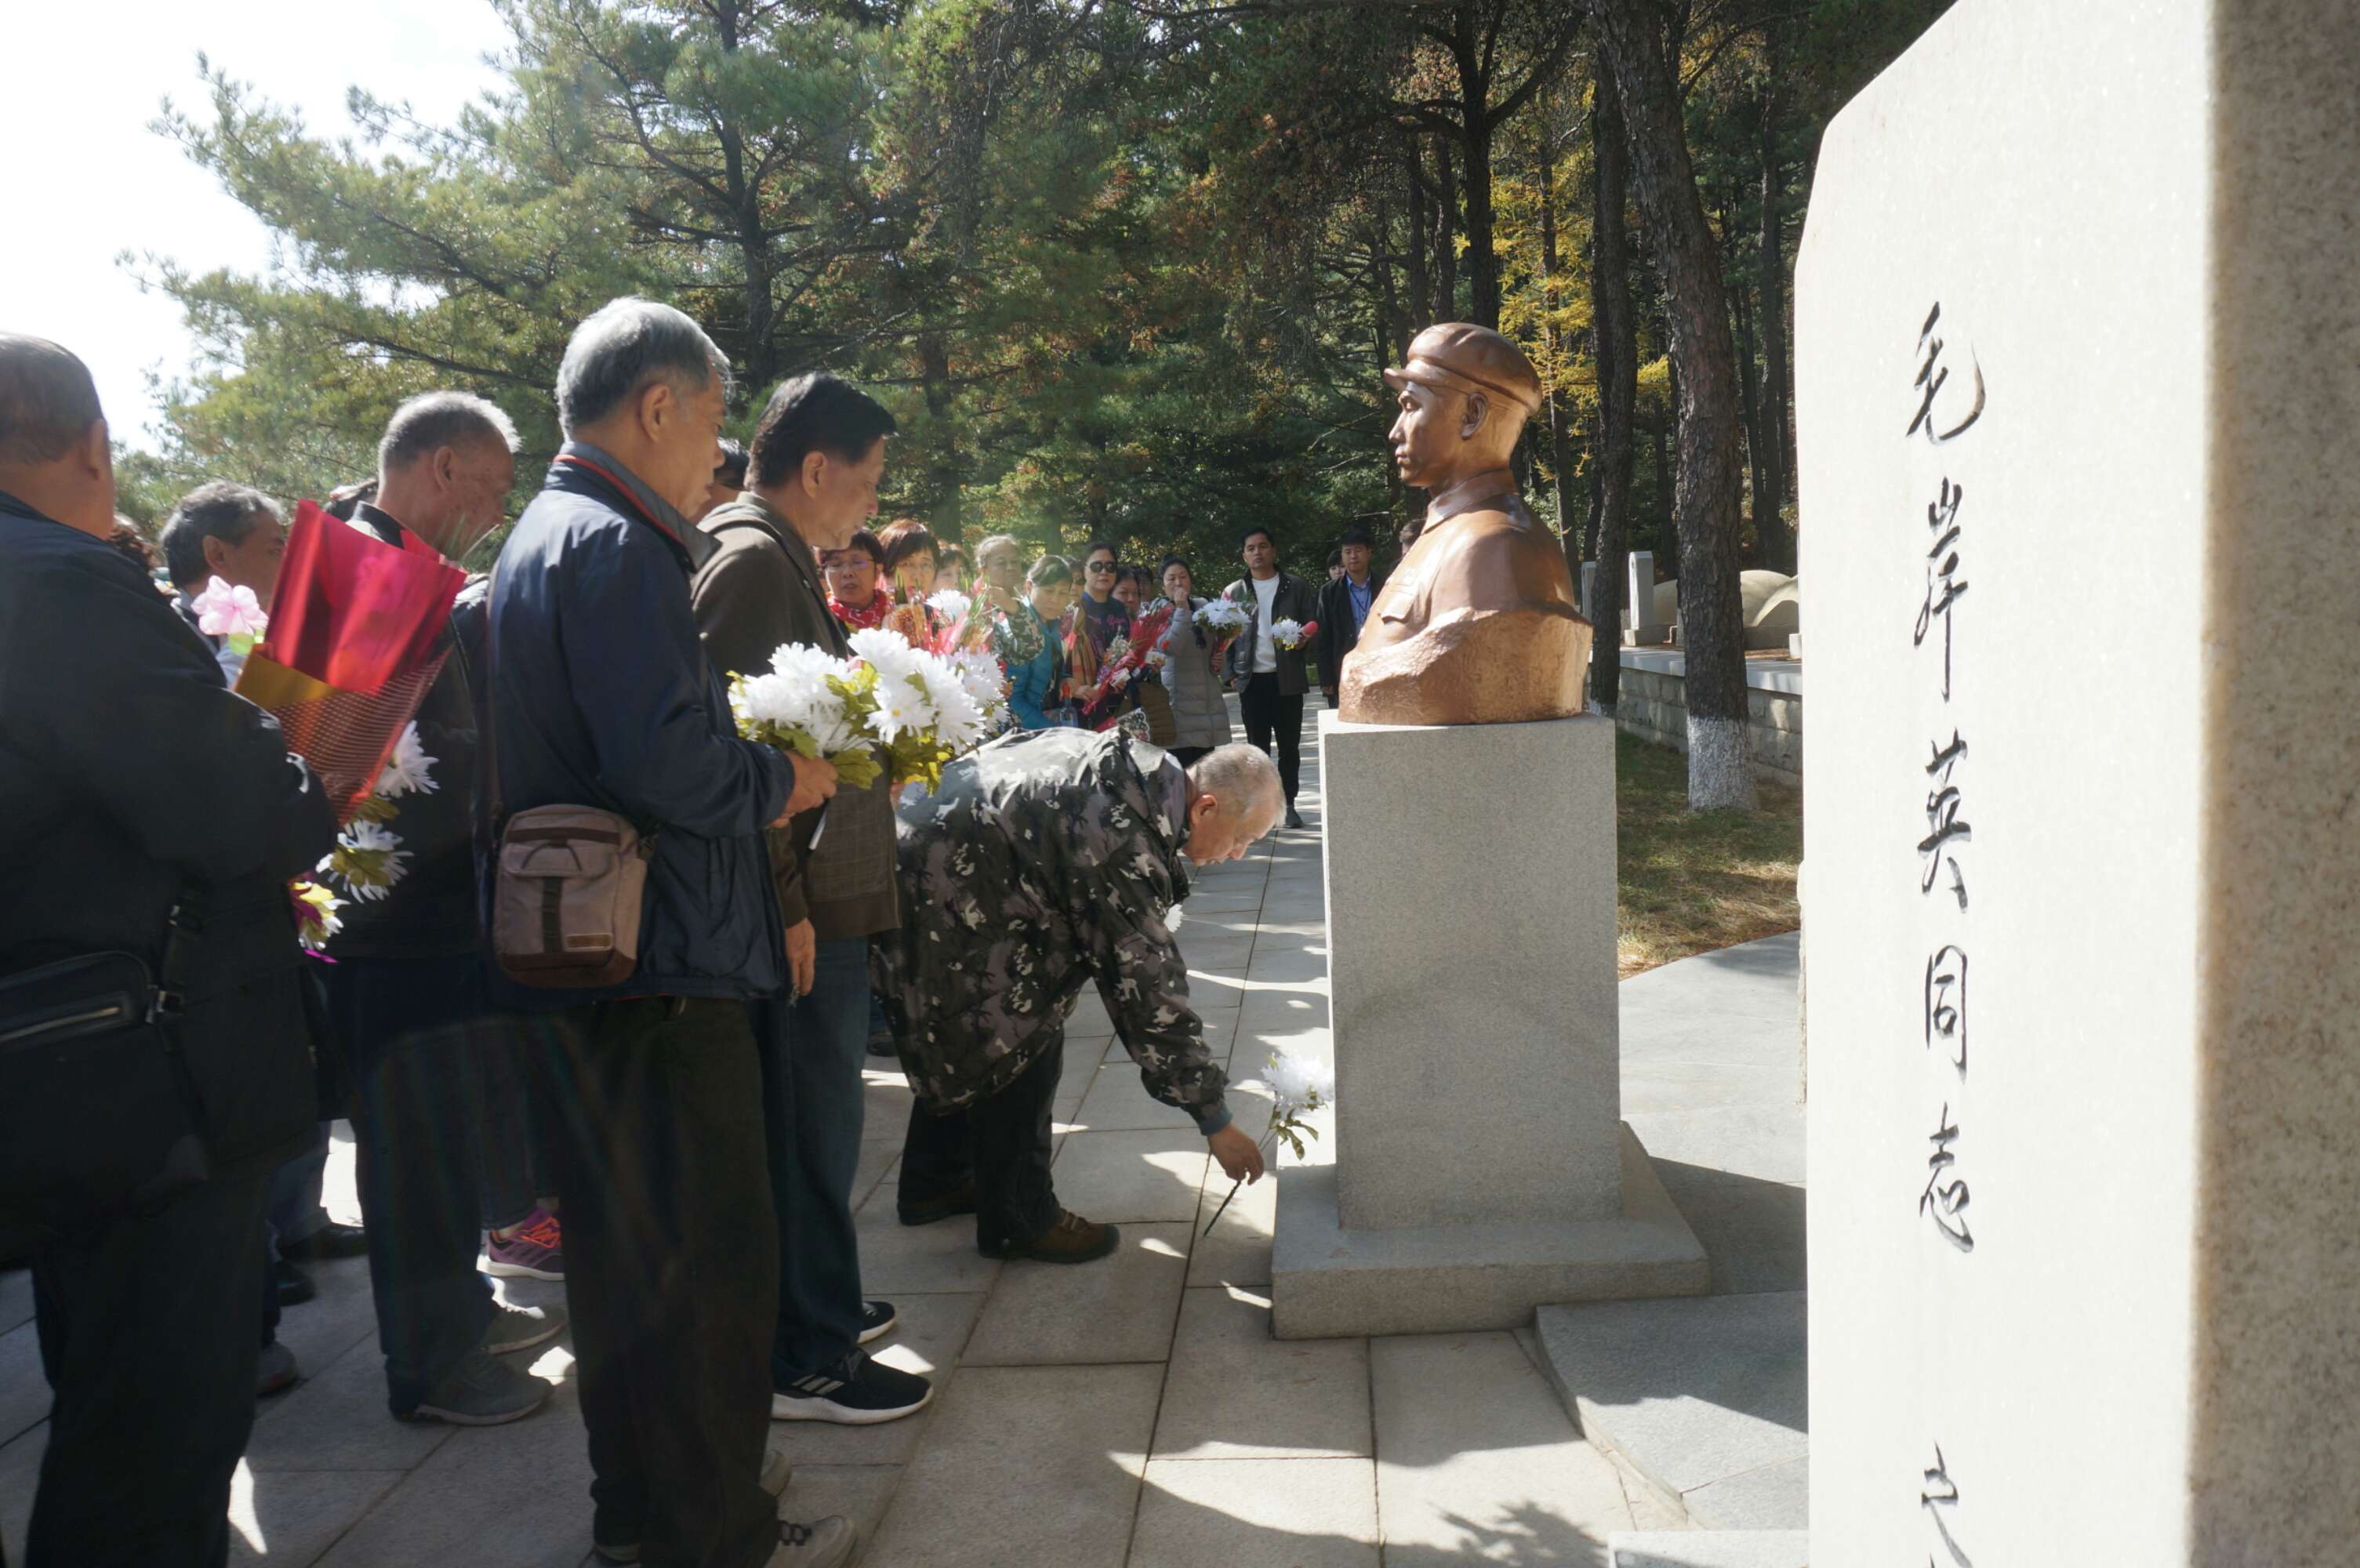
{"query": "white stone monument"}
pixel 1639 602
pixel 1481 1165
pixel 2081 282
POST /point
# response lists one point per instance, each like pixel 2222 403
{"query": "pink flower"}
pixel 226 612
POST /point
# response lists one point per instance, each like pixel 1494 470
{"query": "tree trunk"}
pixel 943 462
pixel 1778 542
pixel 1696 310
pixel 1616 325
pixel 1445 236
pixel 1749 408
pixel 1560 421
pixel 1421 286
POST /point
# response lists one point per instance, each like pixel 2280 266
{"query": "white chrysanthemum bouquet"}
pixel 368 859
pixel 1221 617
pixel 1291 635
pixel 913 709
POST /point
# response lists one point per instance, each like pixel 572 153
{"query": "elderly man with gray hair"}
pixel 601 697
pixel 1048 861
pixel 405 992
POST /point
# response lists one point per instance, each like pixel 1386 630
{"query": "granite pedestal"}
pixel 1480 1166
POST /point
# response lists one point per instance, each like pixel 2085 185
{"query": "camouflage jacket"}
pixel 1046 860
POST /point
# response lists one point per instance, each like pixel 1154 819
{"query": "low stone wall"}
pixel 1654 704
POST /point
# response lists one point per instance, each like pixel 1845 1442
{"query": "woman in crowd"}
pixel 856 588
pixel 909 554
pixel 1037 687
pixel 1132 588
pixel 950 570
pixel 999 599
pixel 1200 715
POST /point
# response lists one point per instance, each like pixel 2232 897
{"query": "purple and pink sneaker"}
pixel 537 1251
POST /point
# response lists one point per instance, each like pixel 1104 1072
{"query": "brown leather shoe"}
pixel 1072 1240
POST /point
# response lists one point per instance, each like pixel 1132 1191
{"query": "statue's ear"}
pixel 1478 408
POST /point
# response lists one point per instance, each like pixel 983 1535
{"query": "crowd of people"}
pixel 677 1145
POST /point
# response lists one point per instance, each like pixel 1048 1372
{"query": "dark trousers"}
pixel 146 1329
pixel 1268 715
pixel 295 1210
pixel 509 1140
pixel 412 1032
pixel 812 1104
pixel 1001 1144
pixel 671 1269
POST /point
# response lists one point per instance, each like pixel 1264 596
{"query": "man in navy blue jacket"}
pixel 601 696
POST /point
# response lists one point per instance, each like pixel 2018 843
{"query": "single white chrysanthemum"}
pixel 406 771
pixel 950 604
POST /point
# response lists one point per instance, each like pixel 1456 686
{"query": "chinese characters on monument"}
pixel 1942 416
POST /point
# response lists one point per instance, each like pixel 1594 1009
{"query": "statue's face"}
pixel 1426 434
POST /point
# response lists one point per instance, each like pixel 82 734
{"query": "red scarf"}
pixel 869 616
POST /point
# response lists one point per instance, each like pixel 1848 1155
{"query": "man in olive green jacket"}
pixel 813 472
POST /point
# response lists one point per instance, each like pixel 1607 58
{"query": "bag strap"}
pixel 491 784
pixel 170 996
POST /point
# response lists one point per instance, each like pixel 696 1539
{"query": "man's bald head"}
pixel 53 448
pixel 1239 799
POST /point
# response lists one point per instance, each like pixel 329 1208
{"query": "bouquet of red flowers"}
pixel 1130 679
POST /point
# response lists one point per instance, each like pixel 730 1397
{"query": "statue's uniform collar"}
pixel 1470 495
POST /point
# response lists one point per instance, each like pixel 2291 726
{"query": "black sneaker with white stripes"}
pixel 876 1320
pixel 858 1392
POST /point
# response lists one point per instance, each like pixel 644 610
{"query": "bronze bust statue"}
pixel 1479 624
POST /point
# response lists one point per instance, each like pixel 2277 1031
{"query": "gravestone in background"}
pixel 2078 363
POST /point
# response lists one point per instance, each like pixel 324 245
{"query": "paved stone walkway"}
pixel 1132 1411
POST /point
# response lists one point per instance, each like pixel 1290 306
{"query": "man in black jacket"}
pixel 1269 680
pixel 128 773
pixel 1344 603
pixel 405 992
pixel 818 455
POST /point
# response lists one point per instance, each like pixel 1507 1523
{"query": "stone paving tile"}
pixel 336 1419
pixel 1074 1081
pixel 1026 1465
pixel 878 1159
pixel 23 1388
pixel 1134 1176
pixel 933 1330
pixel 1237 1250
pixel 884 1107
pixel 1118 1309
pixel 861 1492
pixel 293 1516
pixel 15 1298
pixel 1476 1461
pixel 1117 1103
pixel 898 1259
pixel 518 1495
pixel 1236 1393
pixel 342 1316
pixel 1299 1513
pixel 20 1474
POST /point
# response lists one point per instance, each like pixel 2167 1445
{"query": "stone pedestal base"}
pixel 1328 1283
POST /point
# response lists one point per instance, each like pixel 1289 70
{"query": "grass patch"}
pixel 1693 882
